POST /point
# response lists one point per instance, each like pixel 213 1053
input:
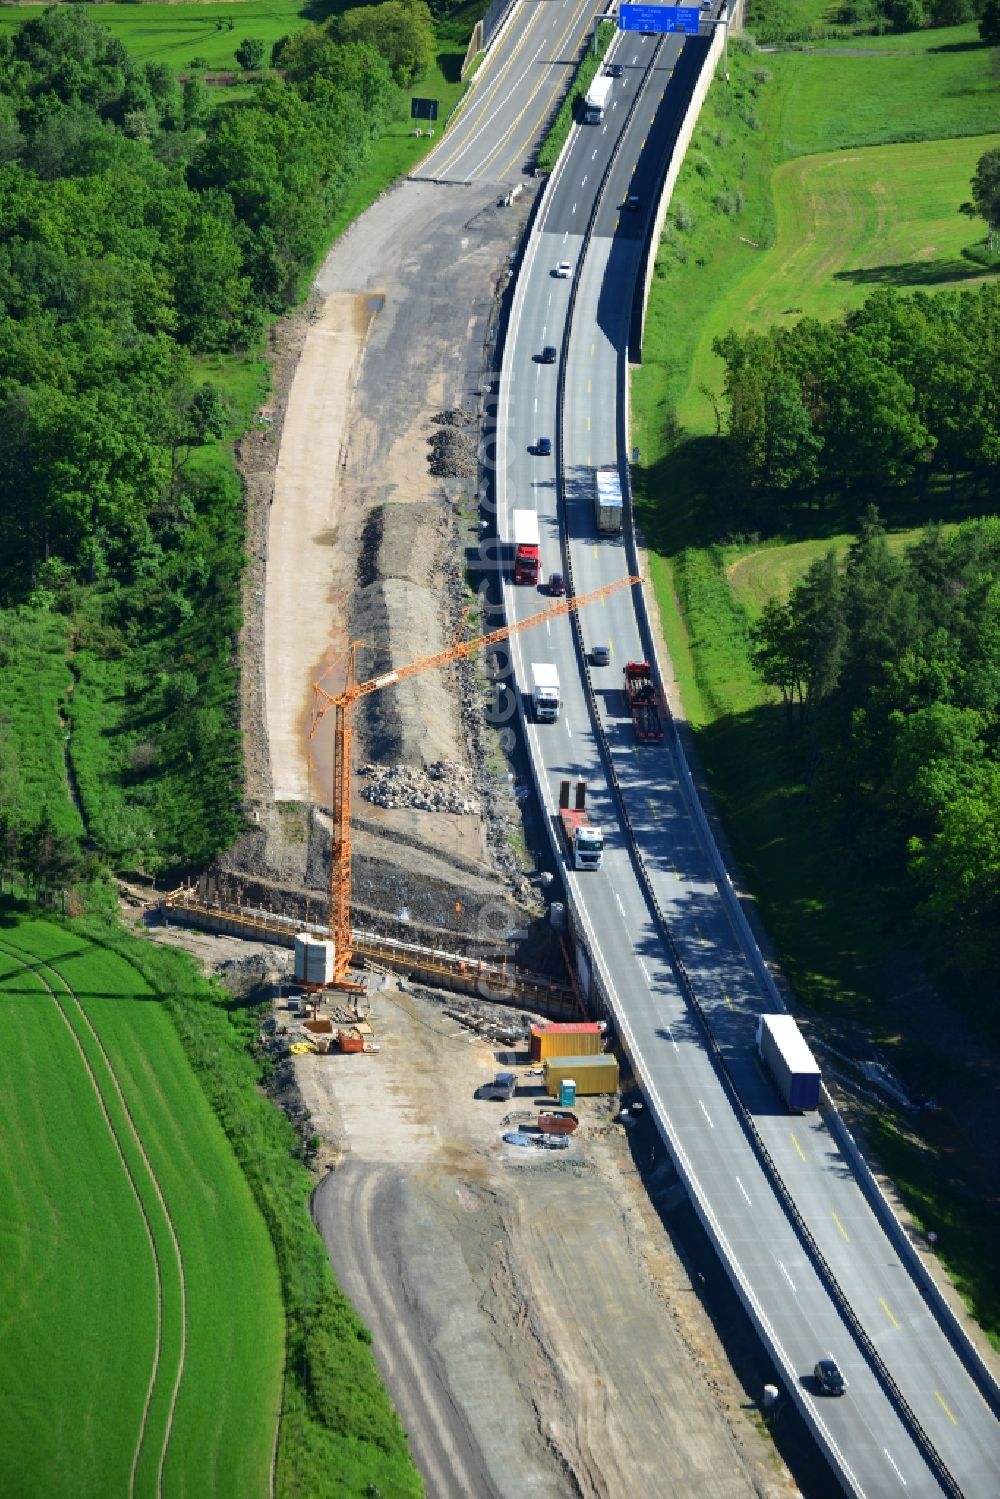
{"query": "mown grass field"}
pixel 798 149
pixel 846 223
pixel 924 85
pixel 178 34
pixel 105 1251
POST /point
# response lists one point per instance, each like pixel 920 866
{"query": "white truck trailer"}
pixel 597 98
pixel 783 1050
pixel 545 691
pixel 608 505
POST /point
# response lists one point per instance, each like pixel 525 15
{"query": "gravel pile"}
pixel 443 786
pixel 454 454
pixel 415 721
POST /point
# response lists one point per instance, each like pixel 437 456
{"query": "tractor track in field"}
pixel 39 967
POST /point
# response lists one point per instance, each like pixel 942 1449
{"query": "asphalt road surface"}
pixel 502 118
pixel 875 1450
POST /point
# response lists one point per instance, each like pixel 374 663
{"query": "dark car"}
pixel 829 1378
pixel 614 70
pixel 543 447
pixel 557 584
pixel 600 655
pixel 631 203
pixel 501 1089
pixel 548 354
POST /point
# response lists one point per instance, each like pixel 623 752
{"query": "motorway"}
pixel 502 117
pixel 868 1441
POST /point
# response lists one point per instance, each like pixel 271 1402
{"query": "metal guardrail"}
pixel 959 1339
pixel 693 1186
pixel 801 1228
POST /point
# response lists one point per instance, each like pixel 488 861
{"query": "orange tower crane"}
pixel 340 888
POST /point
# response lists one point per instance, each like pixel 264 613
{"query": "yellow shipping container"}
pixel 583 1040
pixel 591 1074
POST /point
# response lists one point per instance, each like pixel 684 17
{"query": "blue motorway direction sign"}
pixel 660 18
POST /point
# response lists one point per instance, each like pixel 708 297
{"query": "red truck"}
pixel 584 841
pixel 640 690
pixel 527 555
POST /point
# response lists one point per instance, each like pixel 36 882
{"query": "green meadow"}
pixel 846 222
pixel 143 1324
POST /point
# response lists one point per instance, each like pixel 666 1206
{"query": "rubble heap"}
pixel 454 453
pixel 443 786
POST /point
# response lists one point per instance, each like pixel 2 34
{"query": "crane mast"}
pixel 340 881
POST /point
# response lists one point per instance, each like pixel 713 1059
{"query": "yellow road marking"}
pixel 947 1412
pixel 509 166
pixel 486 97
pixel 593 349
pixel 588 387
pixel 588 424
pixel 798 1147
pixel 845 1235
pixel 881 1302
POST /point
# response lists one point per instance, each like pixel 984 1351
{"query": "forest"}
pixel 144 229
pixel 898 394
pixel 890 666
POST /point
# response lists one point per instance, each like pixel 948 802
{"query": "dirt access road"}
pixel 537 1331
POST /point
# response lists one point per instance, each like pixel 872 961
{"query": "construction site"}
pixel 508 1227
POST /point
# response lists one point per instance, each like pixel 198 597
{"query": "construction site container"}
pixel 581 1038
pixel 313 959
pixel 591 1074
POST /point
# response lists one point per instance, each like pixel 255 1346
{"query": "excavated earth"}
pixel 539 1328
pixel 362 503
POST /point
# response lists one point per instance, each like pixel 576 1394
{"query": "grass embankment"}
pixel 587 70
pixel 768 225
pixel 399 151
pixel 92 1066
